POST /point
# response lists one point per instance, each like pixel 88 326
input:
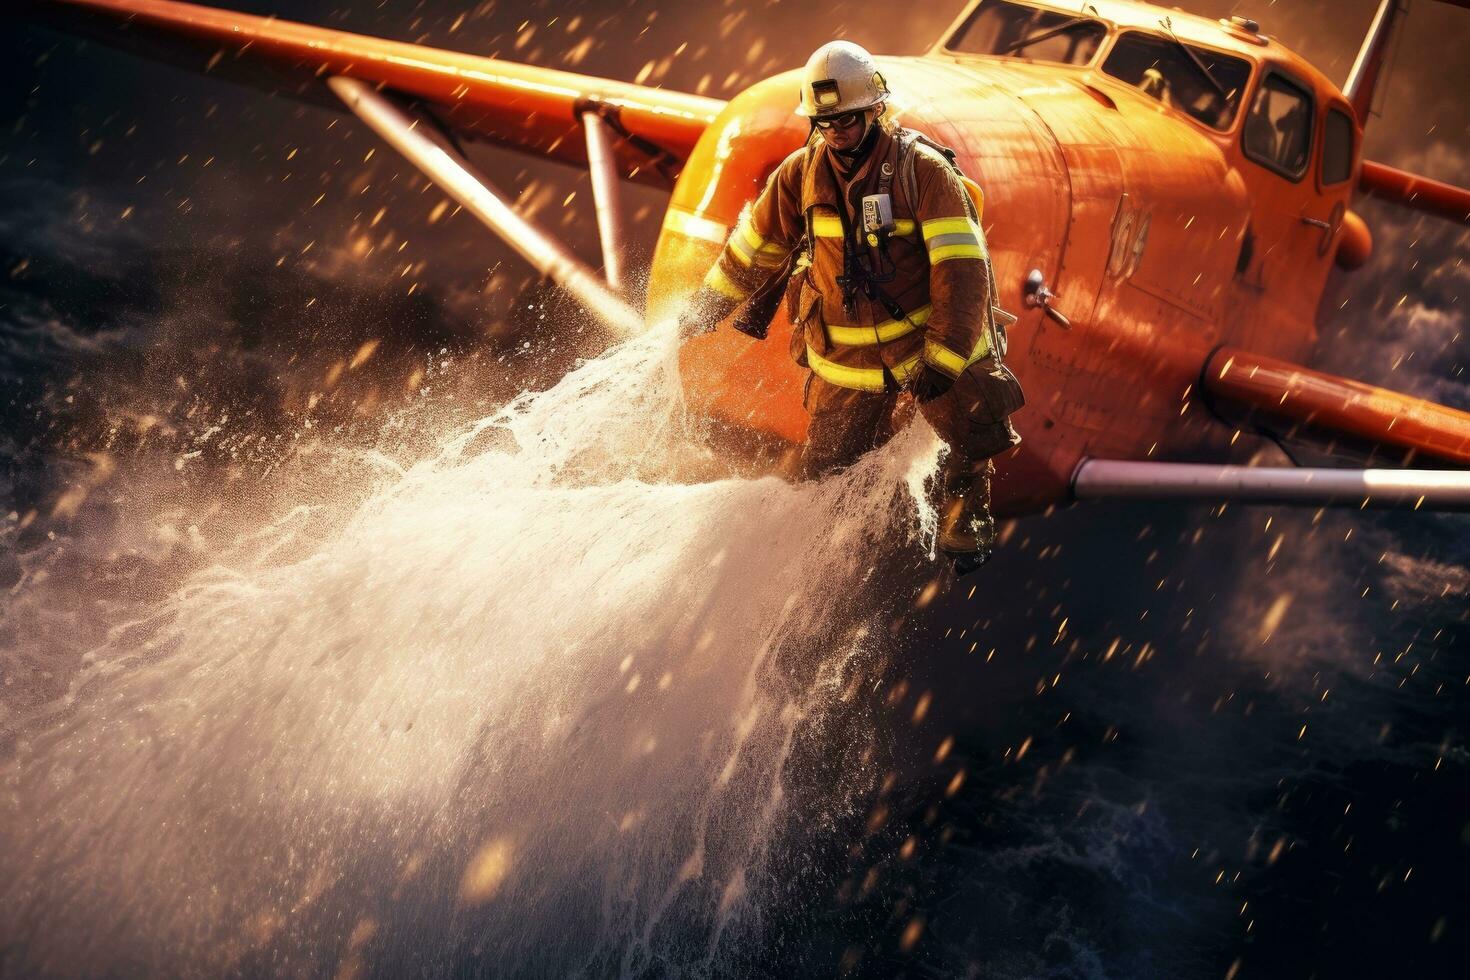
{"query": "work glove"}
pixel 693 322
pixel 703 313
pixel 930 383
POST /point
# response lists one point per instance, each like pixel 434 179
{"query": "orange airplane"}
pixel 1165 196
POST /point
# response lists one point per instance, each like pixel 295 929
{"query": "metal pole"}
pixel 1103 479
pixel 602 166
pixel 424 147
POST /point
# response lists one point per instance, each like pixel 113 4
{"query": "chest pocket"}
pixel 803 301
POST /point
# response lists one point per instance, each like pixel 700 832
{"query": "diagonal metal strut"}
pixel 602 167
pixel 419 141
pixel 1117 479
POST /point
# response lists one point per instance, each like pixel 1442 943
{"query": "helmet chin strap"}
pixel 865 142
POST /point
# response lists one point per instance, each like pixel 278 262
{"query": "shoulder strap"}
pixel 906 166
pixel 909 149
pixel 808 242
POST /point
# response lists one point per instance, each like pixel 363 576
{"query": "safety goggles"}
pixel 840 122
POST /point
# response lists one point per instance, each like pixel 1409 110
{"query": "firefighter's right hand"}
pixel 701 314
pixel 694 321
pixel 930 383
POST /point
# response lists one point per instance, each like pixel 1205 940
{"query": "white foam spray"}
pixel 531 707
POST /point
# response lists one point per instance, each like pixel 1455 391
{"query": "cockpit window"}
pixel 1205 84
pixel 1018 31
pixel 1278 128
pixel 1337 148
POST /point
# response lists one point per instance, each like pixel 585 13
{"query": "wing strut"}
pixel 602 166
pixel 1118 479
pixel 423 145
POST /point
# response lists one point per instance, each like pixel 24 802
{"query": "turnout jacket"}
pixel 875 310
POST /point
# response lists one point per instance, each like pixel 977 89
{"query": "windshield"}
pixel 1207 86
pixel 1018 31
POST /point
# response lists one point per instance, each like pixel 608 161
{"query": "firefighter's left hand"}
pixel 931 383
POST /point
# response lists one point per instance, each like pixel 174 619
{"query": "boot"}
pixel 967 529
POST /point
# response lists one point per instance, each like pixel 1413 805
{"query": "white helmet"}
pixel 840 77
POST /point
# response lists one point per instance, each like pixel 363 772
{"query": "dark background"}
pixel 177 251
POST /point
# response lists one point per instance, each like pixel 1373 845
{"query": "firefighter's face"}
pixel 843 133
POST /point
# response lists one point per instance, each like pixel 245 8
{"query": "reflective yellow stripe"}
pixel 880 333
pixel 771 255
pixel 858 379
pixel 747 231
pixel 951 363
pixel 904 369
pixel 826 226
pixel 947 226
pixel 685 222
pixel 861 379
pixel 738 250
pixel 720 283
pixel 955 252
pixel 943 358
pixel 745 244
pixel 982 347
pixel 952 238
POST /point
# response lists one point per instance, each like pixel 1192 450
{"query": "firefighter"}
pixel 872 237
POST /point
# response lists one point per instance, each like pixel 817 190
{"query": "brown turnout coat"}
pixel 930 301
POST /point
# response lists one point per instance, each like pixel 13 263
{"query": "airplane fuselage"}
pixel 1162 237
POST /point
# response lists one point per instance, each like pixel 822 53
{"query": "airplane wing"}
pixel 523 107
pixel 1412 191
pixel 423 100
pixel 1296 404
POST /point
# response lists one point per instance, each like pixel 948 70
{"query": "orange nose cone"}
pixel 749 384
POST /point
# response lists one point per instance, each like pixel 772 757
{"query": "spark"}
pixel 921 708
pixel 363 355
pixel 486 872
pixel 1274 615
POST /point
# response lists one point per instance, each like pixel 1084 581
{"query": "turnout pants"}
pixel 845 423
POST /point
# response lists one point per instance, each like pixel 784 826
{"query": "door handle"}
pixel 1036 293
pixel 1328 228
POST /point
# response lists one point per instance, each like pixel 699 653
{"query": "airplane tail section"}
pixel 1384 182
pixel 1368 67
